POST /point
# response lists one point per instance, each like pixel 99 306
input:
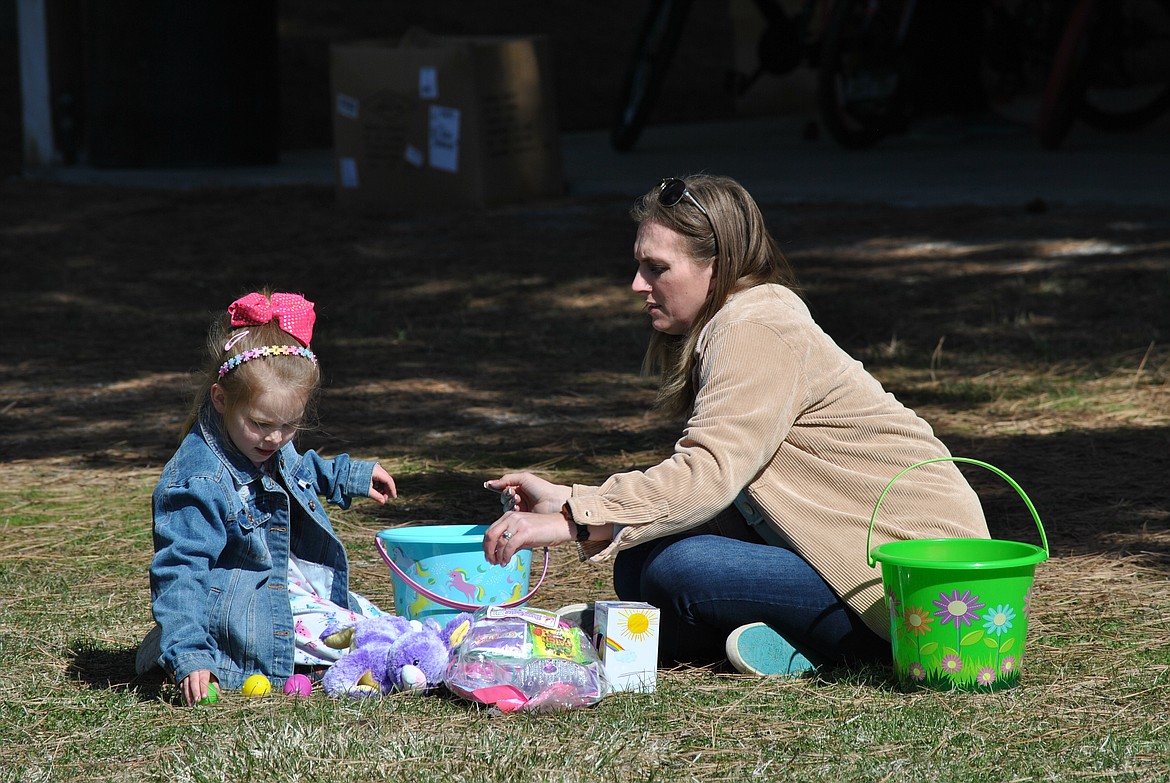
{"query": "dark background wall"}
pixel 591 44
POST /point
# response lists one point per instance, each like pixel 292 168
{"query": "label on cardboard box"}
pixel 348 106
pixel 443 138
pixel 428 83
pixel 627 640
pixel 347 172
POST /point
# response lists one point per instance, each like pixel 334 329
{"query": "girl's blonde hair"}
pixel 736 240
pixel 243 383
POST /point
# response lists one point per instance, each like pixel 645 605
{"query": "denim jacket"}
pixel 223 531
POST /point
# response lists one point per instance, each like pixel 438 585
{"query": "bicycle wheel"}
pixel 861 80
pixel 656 44
pixel 1065 92
pixel 1129 84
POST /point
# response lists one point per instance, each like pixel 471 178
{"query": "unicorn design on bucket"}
pixel 417 605
pixel 440 570
pixel 458 580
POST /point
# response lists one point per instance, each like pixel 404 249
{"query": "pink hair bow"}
pixel 293 313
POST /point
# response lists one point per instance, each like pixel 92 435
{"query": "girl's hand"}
pixel 526 492
pixel 382 485
pixel 194 686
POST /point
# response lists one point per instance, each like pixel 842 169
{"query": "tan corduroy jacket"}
pixel 809 436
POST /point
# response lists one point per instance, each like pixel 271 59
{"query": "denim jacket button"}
pixel 312 505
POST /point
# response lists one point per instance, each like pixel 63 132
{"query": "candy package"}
pixel 526 659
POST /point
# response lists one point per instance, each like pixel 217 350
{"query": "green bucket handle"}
pixel 992 468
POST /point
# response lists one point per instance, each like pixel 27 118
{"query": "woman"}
pixel 750 538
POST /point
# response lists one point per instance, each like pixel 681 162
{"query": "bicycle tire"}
pixel 861 94
pixel 655 47
pixel 1068 77
pixel 1132 38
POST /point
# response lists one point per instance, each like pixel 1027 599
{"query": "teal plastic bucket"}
pixel 439 571
pixel 958 607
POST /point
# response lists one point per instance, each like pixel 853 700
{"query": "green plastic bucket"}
pixel 958 607
pixel 439 571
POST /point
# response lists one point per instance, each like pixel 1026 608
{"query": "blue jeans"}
pixel 706 586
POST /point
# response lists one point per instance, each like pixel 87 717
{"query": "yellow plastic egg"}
pixel 257 685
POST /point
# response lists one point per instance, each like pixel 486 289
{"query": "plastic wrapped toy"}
pixel 526 659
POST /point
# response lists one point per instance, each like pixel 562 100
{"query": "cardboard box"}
pixel 444 121
pixel 627 639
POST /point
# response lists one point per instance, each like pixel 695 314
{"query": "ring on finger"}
pixel 507 535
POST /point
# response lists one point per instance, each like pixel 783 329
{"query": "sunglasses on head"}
pixel 673 190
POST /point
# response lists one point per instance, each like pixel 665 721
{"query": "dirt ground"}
pixel 456 345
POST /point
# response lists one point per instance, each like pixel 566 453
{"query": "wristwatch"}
pixel 582 530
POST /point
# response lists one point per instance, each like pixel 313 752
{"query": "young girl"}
pixel 247 569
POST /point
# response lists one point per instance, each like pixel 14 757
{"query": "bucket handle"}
pixel 992 468
pixel 452 604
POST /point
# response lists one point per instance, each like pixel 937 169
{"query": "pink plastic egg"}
pixel 298 685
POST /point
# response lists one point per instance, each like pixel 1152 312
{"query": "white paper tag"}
pixel 348 172
pixel 348 106
pixel 443 138
pixel 428 83
pixel 541 617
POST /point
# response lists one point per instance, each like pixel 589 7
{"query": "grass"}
pixel 1052 368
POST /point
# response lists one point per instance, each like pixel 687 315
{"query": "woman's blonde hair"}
pixel 733 237
pixel 246 381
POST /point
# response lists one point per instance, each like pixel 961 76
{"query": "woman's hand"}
pixel 526 492
pixel 517 530
pixel 382 485
pixel 194 686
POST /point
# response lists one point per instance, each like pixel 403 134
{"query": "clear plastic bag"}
pixel 526 659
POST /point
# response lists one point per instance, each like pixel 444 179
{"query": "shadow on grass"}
pixel 1096 491
pixel 112 668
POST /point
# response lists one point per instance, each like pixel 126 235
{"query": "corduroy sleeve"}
pixel 750 391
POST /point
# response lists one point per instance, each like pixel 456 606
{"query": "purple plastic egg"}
pixel 298 685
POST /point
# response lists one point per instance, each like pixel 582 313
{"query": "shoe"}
pixel 757 649
pixel 580 615
pixel 147 655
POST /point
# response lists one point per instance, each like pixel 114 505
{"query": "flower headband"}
pixel 268 350
pixel 292 313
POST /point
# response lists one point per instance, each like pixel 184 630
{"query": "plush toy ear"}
pixel 455 629
pixel 339 640
pixel 366 684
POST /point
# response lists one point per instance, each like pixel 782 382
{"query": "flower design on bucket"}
pixel 918 671
pixel 957 609
pixel 986 676
pixel 999 620
pixel 952 664
pixel 1008 665
pixel 916 620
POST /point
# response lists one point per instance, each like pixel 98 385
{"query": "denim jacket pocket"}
pixel 252 513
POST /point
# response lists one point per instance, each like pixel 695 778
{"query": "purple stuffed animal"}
pixel 389 654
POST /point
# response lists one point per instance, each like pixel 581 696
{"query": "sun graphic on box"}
pixel 635 624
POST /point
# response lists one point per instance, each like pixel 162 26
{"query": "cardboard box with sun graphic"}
pixel 627 639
